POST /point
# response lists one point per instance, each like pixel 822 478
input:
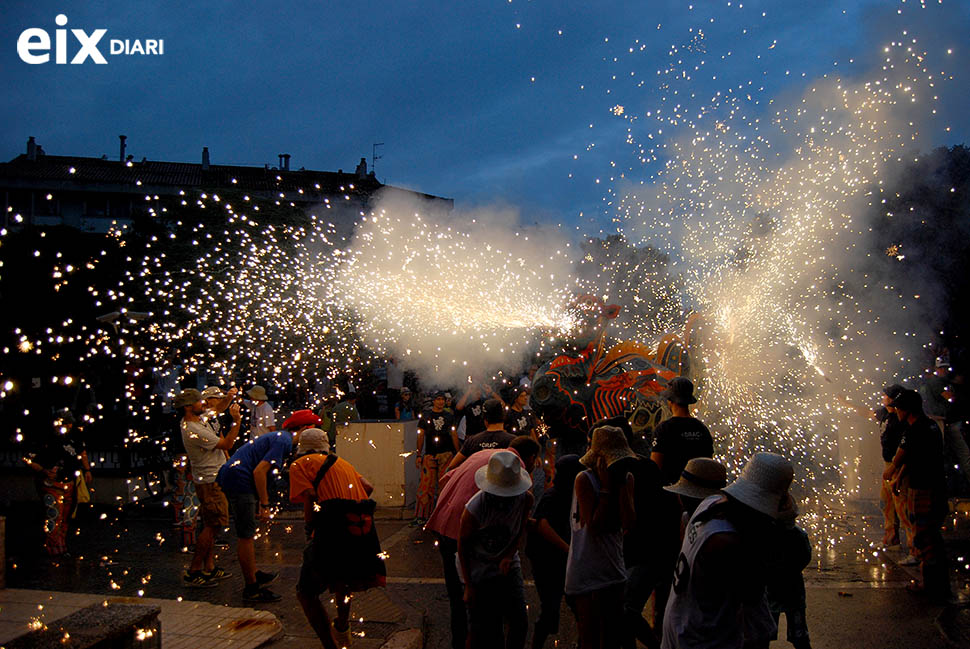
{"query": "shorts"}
pixel 314 579
pixel 213 505
pixel 243 507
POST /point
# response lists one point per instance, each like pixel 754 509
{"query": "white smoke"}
pixel 454 294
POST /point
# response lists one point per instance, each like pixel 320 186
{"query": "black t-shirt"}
pixel 892 432
pixel 681 439
pixel 437 427
pixel 62 454
pixel 520 423
pixel 474 418
pixel 486 440
pixel 657 529
pixel 923 444
pixel 554 506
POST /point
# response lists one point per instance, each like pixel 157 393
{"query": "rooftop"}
pixel 37 169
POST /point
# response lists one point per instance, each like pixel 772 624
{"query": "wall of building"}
pixel 383 452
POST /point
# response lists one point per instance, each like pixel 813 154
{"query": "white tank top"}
pixel 702 614
pixel 595 561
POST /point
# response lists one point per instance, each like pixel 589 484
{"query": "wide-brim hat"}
pixel 702 477
pixel 681 391
pixel 312 440
pixel 301 418
pixel 504 475
pixel 608 442
pixel 213 392
pixel 187 397
pixel 257 393
pixel 763 485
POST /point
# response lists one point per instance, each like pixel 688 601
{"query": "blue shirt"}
pixel 236 475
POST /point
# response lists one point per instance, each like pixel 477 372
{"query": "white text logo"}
pixel 34 45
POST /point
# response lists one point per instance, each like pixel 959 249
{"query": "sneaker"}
pixel 217 574
pixel 265 578
pixel 909 561
pixel 197 580
pixel 263 595
pixel 417 522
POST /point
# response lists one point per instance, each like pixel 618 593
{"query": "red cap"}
pixel 301 418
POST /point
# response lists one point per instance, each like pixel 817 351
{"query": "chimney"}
pixel 31 148
pixel 122 138
pixel 205 158
pixel 362 168
pixel 280 156
pixel 286 162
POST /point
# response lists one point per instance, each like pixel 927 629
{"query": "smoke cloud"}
pixel 454 294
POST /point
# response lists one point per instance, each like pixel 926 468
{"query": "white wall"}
pixel 383 452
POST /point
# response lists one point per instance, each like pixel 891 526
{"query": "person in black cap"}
pixel 681 437
pixel 890 433
pixel 919 461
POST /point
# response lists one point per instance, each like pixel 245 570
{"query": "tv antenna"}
pixel 375 158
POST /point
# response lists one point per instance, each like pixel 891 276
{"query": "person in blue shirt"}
pixel 243 480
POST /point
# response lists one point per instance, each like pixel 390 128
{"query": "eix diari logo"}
pixel 34 45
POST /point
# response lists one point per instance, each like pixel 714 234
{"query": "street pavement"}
pixel 856 594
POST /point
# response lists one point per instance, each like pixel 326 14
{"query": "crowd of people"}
pixel 612 531
pixel 338 511
pixel 655 549
pixel 923 441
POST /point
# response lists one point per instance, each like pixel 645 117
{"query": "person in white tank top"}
pixel 718 599
pixel 602 510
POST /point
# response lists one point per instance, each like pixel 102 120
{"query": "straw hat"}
pixel 257 393
pixel 312 440
pixel 702 477
pixel 610 442
pixel 503 475
pixel 763 485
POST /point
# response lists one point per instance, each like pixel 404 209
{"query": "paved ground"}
pixel 856 596
pixel 185 624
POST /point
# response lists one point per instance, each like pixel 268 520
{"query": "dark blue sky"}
pixel 447 86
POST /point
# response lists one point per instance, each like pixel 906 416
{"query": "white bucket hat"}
pixel 503 475
pixel 312 440
pixel 763 485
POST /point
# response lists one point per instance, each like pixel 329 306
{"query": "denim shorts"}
pixel 243 507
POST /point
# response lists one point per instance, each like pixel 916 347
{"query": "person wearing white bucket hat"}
pixel 718 595
pixel 493 528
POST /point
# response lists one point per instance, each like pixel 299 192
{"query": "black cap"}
pixel 680 391
pixel 909 401
pixel 494 411
pixel 894 390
